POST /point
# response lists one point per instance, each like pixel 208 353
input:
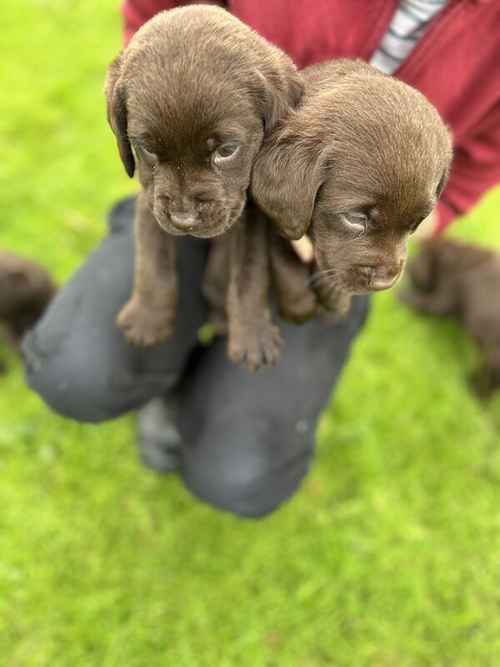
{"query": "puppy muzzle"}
pixel 184 222
pixel 204 221
pixel 376 279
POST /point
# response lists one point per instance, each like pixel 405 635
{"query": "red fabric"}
pixel 456 65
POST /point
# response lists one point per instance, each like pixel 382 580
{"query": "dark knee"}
pixel 67 383
pixel 242 481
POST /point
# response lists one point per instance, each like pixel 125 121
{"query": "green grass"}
pixel 387 557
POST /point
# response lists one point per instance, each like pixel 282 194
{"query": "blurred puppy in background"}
pixel 25 291
pixel 449 277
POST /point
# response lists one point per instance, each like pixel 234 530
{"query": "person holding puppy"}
pixel 242 443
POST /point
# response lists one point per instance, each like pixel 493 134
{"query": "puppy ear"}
pixel 276 94
pixel 117 114
pixel 285 181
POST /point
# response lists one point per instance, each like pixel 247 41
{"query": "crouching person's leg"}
pixel 78 360
pixel 248 441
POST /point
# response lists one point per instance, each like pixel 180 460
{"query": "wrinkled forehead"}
pixel 387 128
pixel 381 191
pixel 167 123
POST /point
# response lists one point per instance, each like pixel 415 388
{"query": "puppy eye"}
pixel 149 157
pixel 355 220
pixel 225 153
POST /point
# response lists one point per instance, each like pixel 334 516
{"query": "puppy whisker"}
pixel 322 276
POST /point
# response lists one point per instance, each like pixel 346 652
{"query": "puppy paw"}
pixel 257 347
pixel 338 307
pixel 336 302
pixel 299 310
pixel 144 326
pixel 342 306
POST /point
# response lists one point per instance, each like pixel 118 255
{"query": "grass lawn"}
pixel 389 556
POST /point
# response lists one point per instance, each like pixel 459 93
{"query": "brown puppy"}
pixel 358 166
pixel 190 99
pixel 448 277
pixel 25 291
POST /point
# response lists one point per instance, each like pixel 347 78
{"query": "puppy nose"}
pixel 382 283
pixel 183 221
pixel 384 278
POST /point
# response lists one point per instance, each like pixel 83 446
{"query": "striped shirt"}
pixel 408 24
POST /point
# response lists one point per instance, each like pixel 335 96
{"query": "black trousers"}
pixel 247 440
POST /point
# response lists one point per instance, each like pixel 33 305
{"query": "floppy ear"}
pixel 276 94
pixel 285 181
pixel 117 114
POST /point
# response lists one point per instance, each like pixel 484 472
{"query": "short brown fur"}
pixel 25 291
pixel 449 277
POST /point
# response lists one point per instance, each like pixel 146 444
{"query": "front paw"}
pixel 300 309
pixel 143 325
pixel 256 347
pixel 335 301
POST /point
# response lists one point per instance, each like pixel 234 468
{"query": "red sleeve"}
pixel 137 12
pixel 475 170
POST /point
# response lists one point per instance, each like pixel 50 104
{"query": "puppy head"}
pixel 361 164
pixel 190 101
pixel 25 291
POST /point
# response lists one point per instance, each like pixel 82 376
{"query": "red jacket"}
pixel 456 65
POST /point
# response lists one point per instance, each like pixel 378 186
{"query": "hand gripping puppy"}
pixel 190 101
pixel 357 166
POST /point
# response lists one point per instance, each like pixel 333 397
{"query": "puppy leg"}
pixel 215 281
pixel 291 281
pixel 149 316
pixel 254 341
pixel 335 301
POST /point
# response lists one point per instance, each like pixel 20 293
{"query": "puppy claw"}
pixel 258 348
pixel 143 326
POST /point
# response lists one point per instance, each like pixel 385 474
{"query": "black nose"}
pixel 183 221
pixel 384 278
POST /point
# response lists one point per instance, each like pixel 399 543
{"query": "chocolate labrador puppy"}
pixel 357 166
pixel 190 101
pixel 25 291
pixel 449 277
